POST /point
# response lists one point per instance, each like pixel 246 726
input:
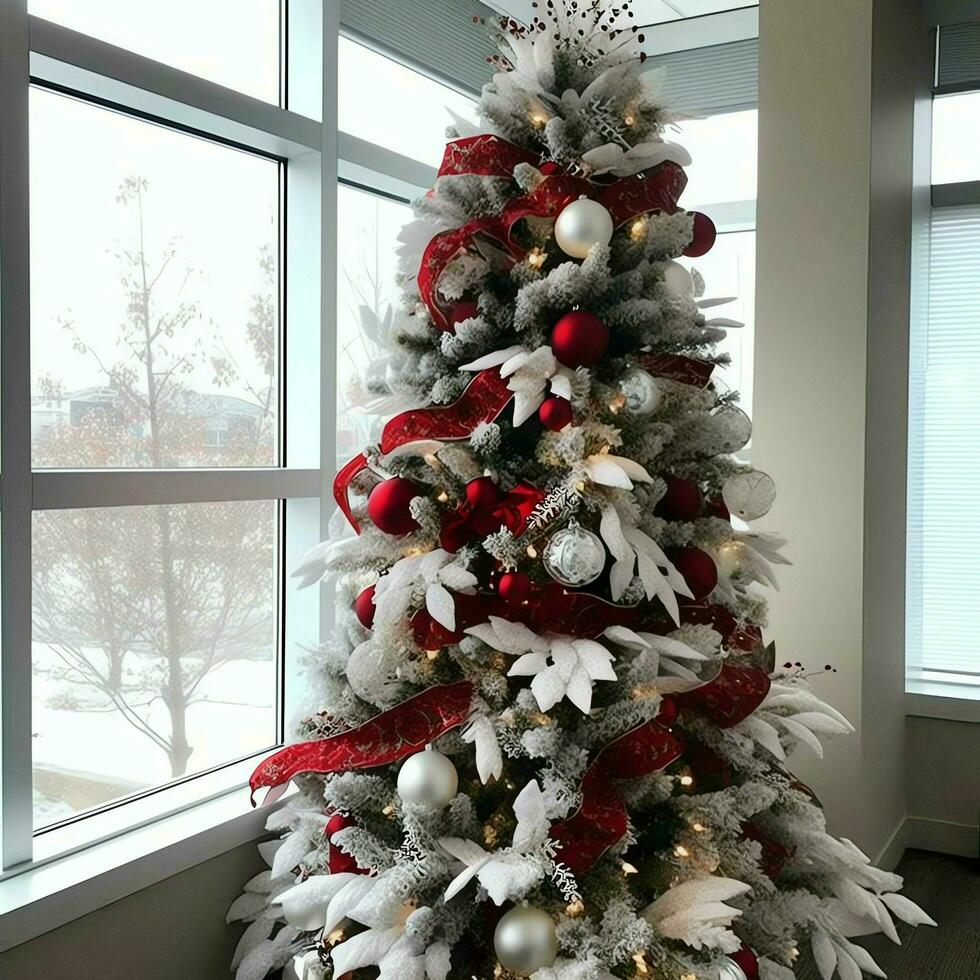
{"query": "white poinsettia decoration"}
pixel 662 654
pixel 611 158
pixel 615 471
pixel 790 709
pixel 562 666
pixel 637 553
pixel 530 374
pixel 562 969
pixel 507 873
pixel 428 576
pixel 694 912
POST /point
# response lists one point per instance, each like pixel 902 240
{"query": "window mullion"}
pixel 15 440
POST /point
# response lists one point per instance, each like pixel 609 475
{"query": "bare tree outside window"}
pixel 144 611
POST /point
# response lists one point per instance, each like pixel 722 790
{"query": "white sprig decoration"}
pixel 503 873
pixel 431 575
pixel 663 655
pixel 695 913
pixel 562 666
pixel 530 374
pixel 637 553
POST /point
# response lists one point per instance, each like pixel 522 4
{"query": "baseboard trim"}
pixel 942 836
pixel 888 857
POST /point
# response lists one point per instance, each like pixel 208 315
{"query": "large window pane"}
pixel 154 294
pixel 386 103
pixel 366 297
pixel 956 138
pixel 154 647
pixel 724 157
pixel 232 42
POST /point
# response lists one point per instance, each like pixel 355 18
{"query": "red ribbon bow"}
pixel 469 523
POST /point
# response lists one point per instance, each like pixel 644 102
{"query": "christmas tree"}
pixel 550 740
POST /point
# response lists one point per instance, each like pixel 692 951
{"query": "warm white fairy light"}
pixel 638 229
pixel 536 258
pixel 532 552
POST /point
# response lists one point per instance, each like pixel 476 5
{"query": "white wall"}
pixel 835 162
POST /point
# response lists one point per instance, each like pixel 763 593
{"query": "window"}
pixel 942 585
pixel 233 42
pixel 162 431
pixel 389 105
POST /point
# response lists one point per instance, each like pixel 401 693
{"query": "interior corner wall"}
pixel 834 216
pixel 174 929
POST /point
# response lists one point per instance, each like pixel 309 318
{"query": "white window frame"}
pixel 933 696
pixel 52 878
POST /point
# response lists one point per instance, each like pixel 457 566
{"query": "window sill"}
pixel 43 897
pixel 925 699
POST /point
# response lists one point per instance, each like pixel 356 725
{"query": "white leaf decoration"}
pixel 489 759
pixel 907 910
pixel 694 912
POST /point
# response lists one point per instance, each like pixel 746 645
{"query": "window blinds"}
pixel 958 56
pixel 944 457
pixel 438 37
pixel 704 81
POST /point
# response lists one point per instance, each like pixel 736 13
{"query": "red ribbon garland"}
pixel 388 737
pixel 730 697
pixel 602 818
pixel 485 397
pixel 654 190
pixel 677 367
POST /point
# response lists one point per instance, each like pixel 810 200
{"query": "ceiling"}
pixel 647 11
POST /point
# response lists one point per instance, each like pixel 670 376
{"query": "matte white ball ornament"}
pixel 574 556
pixel 525 941
pixel 582 224
pixel 641 391
pixel 428 777
pixel 749 495
pixel 678 280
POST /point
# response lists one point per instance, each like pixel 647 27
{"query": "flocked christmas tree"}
pixel 550 739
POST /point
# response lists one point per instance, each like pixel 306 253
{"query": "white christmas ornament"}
pixel 730 970
pixel 574 556
pixel 641 392
pixel 428 777
pixel 678 280
pixel 582 224
pixel 749 495
pixel 525 941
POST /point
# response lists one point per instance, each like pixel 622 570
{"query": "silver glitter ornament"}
pixel 428 777
pixel 574 556
pixel 641 392
pixel 524 940
pixel 582 224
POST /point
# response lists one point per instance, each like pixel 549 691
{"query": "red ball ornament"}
pixel 463 311
pixel 555 413
pixel 702 235
pixel 482 492
pixel 388 505
pixel 697 568
pixel 579 339
pixel 514 587
pixel 338 862
pixel 681 502
pixel 745 959
pixel 668 713
pixel 364 607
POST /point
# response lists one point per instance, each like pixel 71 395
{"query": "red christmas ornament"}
pixel 364 607
pixel 702 236
pixel 514 586
pixel 697 568
pixel 555 413
pixel 338 861
pixel 579 339
pixel 745 959
pixel 668 713
pixel 682 501
pixel 482 492
pixel 462 311
pixel 388 505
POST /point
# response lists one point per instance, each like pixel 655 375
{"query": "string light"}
pixel 617 403
pixel 681 851
pixel 536 258
pixel 432 654
pixel 335 937
pixel 697 827
pixel 532 552
pixel 686 780
pixel 629 119
pixel 641 962
pixel 638 229
pixel 575 908
pixel 443 497
pixel 538 119
pixel 580 486
pixel 629 869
